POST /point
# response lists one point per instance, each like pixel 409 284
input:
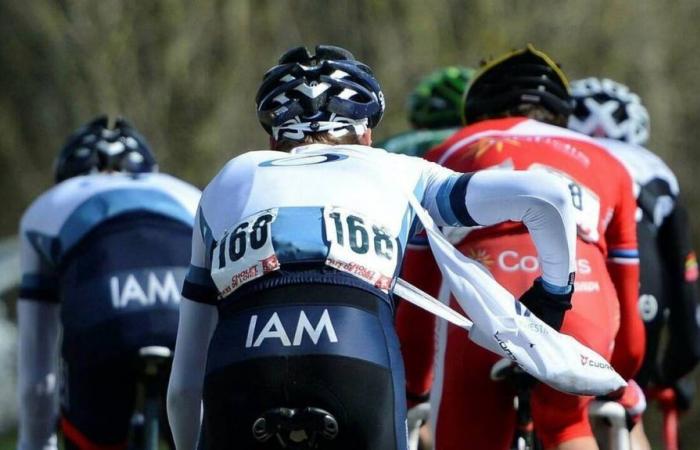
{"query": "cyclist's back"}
pixel 109 252
pixel 287 302
pixel 308 315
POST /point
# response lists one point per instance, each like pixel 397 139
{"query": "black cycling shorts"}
pixel 306 345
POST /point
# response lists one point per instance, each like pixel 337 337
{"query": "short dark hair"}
pixel 531 111
pixel 349 138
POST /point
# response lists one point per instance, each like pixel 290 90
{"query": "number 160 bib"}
pixel 244 253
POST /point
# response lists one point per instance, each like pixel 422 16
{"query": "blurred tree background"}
pixel 186 72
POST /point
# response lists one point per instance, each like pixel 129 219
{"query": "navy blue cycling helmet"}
pixel 326 92
pixel 96 147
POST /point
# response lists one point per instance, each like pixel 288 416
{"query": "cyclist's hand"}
pixel 547 306
pixel 632 398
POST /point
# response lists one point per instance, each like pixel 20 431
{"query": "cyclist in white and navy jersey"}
pixel 287 315
pixel 103 254
pixel 668 294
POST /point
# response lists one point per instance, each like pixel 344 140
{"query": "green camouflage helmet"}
pixel 437 100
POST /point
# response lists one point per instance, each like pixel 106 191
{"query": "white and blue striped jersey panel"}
pixel 369 181
pixel 58 219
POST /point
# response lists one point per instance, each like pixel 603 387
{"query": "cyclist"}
pixel 103 256
pixel 435 111
pixel 516 109
pixel 293 257
pixel 668 293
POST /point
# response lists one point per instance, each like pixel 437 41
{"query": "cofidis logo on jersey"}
pixel 302 160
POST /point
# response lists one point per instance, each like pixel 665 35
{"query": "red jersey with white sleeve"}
pixel 601 191
pixel 607 272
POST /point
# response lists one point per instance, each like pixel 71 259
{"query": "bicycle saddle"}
pixel 294 428
pixel 154 358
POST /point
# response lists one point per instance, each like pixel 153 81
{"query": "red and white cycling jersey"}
pixel 602 193
pixel 601 189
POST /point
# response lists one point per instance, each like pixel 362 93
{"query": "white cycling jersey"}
pixel 64 214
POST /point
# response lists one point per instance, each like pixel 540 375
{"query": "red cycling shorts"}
pixel 470 406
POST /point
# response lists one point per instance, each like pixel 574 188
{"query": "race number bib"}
pixel 360 247
pixel 244 252
pixel 585 201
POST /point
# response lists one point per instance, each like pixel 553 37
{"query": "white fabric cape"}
pixel 505 326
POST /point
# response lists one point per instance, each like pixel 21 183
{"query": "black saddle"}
pixel 296 429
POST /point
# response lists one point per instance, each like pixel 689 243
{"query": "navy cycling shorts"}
pixel 119 291
pixel 306 345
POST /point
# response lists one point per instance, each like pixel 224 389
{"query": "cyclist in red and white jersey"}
pixel 517 108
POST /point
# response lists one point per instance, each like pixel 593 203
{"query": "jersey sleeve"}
pixel 623 266
pixel 199 285
pixel 540 201
pixel 682 352
pixel 39 278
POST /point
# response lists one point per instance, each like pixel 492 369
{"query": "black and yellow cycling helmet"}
pixel 525 76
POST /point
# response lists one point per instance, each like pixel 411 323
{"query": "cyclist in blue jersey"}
pixel 286 323
pixel 103 253
pixel 434 111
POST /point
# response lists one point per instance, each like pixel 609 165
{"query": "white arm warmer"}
pixel 39 325
pixel 542 202
pixel 196 327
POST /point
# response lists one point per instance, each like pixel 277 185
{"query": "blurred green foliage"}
pixel 186 72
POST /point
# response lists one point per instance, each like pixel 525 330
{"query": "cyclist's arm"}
pixel 196 326
pixel 683 349
pixel 540 201
pixel 198 318
pixel 623 266
pixel 39 325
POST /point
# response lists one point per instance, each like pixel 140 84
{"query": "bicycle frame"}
pixel 155 359
pixel 618 436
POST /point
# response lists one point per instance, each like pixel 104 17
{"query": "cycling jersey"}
pixel 605 222
pixel 668 293
pixel 110 251
pixel 333 221
pixel 415 142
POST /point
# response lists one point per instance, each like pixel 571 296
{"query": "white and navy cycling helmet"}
pixel 606 108
pixel 96 147
pixel 326 92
